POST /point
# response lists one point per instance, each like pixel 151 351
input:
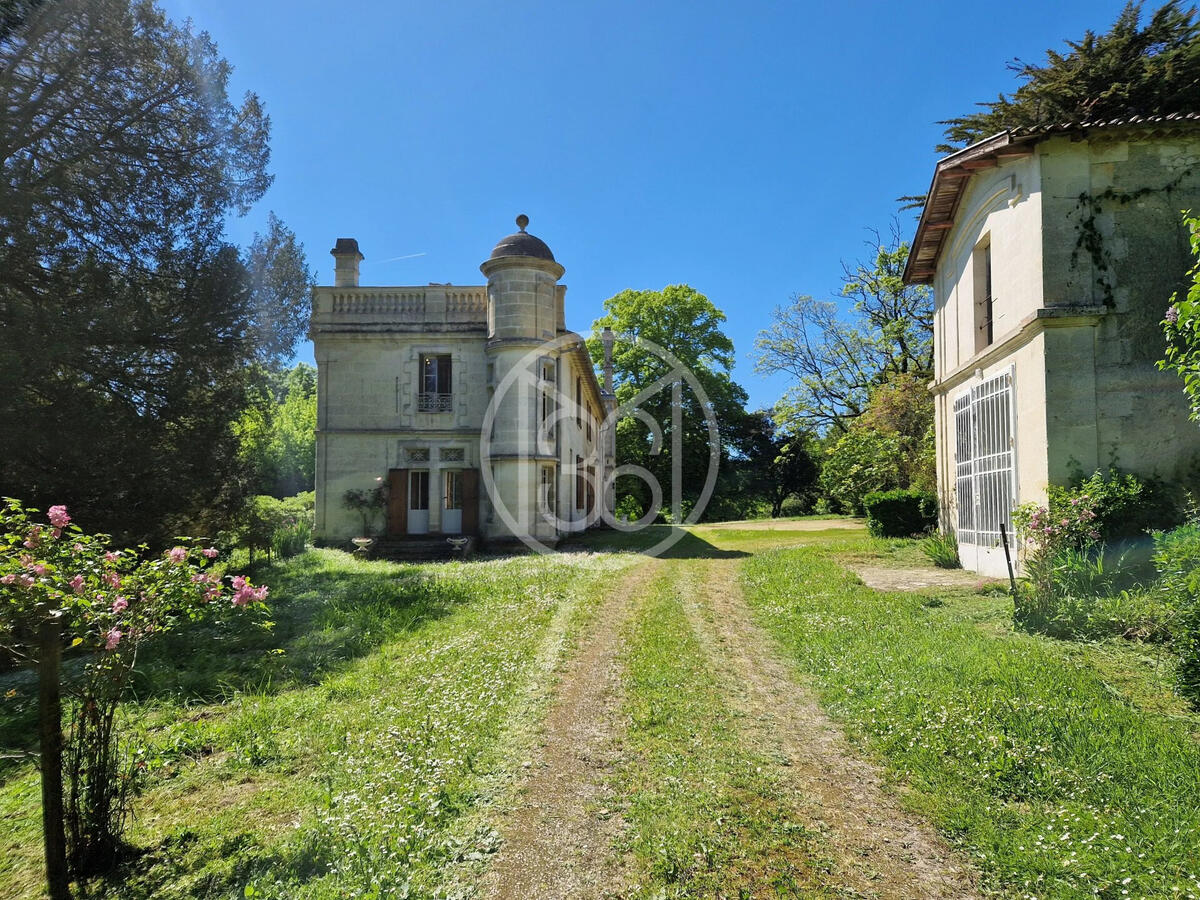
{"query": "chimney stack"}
pixel 346 258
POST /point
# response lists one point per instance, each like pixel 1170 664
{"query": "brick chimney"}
pixel 346 258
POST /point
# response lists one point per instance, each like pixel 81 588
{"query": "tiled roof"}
pixel 1065 127
pixel 952 173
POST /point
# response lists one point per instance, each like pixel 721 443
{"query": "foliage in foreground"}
pixel 62 586
pixel 1177 558
pixel 1181 326
pixel 1057 787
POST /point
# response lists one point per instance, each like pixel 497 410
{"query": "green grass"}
pixel 1058 782
pixel 358 742
pixel 706 817
pixel 338 752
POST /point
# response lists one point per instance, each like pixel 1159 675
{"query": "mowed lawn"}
pixel 360 744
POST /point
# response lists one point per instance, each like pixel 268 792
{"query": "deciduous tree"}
pixel 839 352
pixel 687 324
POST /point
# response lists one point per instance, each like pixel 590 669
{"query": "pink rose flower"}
pixel 112 579
pixel 8 579
pixel 77 584
pixel 1172 315
pixel 246 594
pixel 77 547
pixel 114 638
pixel 39 570
pixel 120 605
pixel 34 538
pixel 58 517
pixel 211 553
pixel 112 556
pixel 177 554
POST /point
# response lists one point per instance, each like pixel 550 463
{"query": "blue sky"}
pixel 744 149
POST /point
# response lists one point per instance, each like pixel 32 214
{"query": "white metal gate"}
pixel 984 458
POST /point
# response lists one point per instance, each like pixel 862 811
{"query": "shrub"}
pixel 261 518
pixel 290 540
pixel 628 509
pixel 61 587
pixel 1057 543
pixel 859 463
pixel 1177 558
pixel 301 508
pixel 1125 504
pixel 900 513
pixel 942 550
pixel 796 506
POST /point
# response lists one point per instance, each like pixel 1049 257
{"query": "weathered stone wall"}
pixel 1001 207
pixel 1114 240
pixel 368 415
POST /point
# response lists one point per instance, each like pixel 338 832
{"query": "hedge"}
pixel 900 513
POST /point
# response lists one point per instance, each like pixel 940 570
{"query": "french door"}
pixel 418 501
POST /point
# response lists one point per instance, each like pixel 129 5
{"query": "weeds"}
pixel 942 550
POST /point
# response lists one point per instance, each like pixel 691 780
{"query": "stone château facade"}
pixel 474 405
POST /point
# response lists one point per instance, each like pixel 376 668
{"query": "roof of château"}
pixel 522 243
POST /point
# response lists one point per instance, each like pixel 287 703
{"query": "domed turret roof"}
pixel 522 244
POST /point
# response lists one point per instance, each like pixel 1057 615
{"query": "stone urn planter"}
pixel 362 545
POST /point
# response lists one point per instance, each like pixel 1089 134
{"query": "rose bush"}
pixel 61 588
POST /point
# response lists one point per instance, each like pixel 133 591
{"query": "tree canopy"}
pixel 1135 68
pixel 130 325
pixel 686 323
pixel 839 353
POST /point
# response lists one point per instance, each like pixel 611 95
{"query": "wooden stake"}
pixel 50 733
pixel 1008 559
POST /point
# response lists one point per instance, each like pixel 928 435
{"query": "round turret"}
pixel 523 290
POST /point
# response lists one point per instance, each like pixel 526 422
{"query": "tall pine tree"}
pixel 1135 68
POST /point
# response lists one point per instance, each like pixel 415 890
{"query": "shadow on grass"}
pixel 688 546
pixel 321 617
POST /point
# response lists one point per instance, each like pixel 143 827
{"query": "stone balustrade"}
pixel 411 306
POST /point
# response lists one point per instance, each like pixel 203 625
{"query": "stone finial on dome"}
pixel 522 243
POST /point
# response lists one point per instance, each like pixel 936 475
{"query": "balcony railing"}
pixel 435 403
